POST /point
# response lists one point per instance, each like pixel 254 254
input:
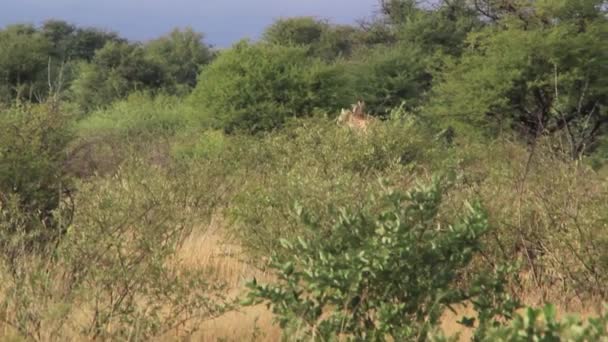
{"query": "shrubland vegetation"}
pixel 478 194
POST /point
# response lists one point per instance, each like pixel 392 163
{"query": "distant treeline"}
pixel 92 66
pixel 536 67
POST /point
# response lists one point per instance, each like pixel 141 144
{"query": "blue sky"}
pixel 222 21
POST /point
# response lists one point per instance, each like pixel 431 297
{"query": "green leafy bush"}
pixel 300 31
pixel 386 77
pixel 539 74
pixel 210 145
pixel 33 143
pixel 318 164
pixel 389 270
pixel 117 69
pixel 543 325
pixel 23 62
pixel 319 37
pixel 141 114
pixel 181 54
pixel 257 87
pixel 142 124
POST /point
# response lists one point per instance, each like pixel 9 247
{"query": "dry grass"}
pixel 225 262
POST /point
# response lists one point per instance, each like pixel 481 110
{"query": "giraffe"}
pixel 356 118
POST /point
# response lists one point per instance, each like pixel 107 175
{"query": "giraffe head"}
pixel 356 118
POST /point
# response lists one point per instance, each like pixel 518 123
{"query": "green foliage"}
pixel 386 77
pixel 319 165
pixel 116 70
pixel 257 87
pixel 543 325
pixel 181 54
pixel 170 63
pixel 142 124
pixel 319 37
pixel 399 11
pixel 23 61
pixel 37 61
pixel 542 74
pixel 114 275
pixel 69 42
pixel 339 41
pixel 33 143
pixel 444 29
pixel 210 145
pixel 139 115
pixel 375 274
pixel 295 31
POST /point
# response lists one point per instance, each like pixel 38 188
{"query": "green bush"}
pixel 319 37
pixel 389 270
pixel 318 164
pixel 210 145
pixel 181 54
pixel 116 70
pixel 23 63
pixel 543 325
pixel 140 114
pixel 142 124
pixel 257 87
pixel 539 74
pixel 302 31
pixel 385 77
pixel 33 143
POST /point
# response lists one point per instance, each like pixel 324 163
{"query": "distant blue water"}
pixel 223 21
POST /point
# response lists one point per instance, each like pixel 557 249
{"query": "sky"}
pixel 222 21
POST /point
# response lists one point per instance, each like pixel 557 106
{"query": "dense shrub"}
pixel 209 145
pixel 386 77
pixel 544 325
pixel 540 74
pixel 317 164
pixel 319 37
pixel 388 270
pixel 443 29
pixel 257 87
pixel 180 54
pixel 545 215
pixel 70 42
pixel 33 142
pixel 303 31
pixel 117 69
pixel 142 124
pixel 115 274
pixel 140 114
pixel 23 62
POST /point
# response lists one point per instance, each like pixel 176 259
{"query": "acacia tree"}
pixel 23 61
pixel 256 87
pixel 69 42
pixel 180 54
pixel 116 70
pixel 321 38
pixel 543 75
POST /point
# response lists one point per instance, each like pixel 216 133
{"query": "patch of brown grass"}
pixel 225 262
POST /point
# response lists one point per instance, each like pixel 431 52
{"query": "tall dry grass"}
pixel 549 213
